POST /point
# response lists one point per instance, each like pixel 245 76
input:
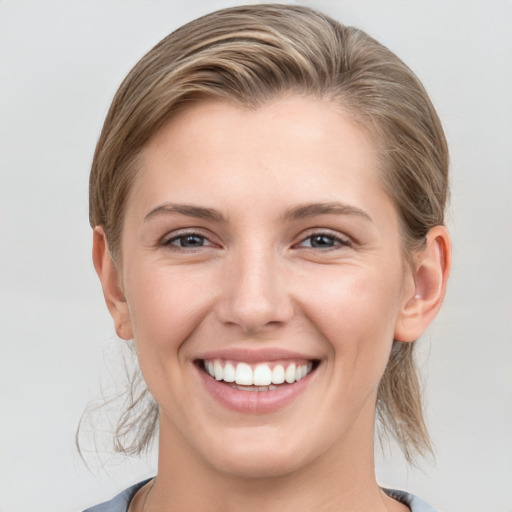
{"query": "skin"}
pixel 258 279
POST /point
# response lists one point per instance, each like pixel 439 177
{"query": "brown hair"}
pixel 247 56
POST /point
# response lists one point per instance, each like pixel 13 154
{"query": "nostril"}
pixel 254 296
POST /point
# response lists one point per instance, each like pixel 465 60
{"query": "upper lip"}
pixel 262 355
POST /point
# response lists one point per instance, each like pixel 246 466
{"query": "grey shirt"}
pixel 122 501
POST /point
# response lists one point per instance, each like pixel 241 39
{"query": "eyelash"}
pixel 336 241
pixel 184 235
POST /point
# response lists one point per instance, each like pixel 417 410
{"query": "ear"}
pixel 430 275
pixel 110 278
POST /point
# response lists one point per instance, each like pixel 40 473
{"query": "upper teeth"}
pixel 262 375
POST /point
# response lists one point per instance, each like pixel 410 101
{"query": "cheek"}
pixel 356 311
pixel 166 305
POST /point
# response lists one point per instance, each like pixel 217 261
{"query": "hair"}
pixel 248 56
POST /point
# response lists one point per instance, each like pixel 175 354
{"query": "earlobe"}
pixel 430 276
pixel 110 279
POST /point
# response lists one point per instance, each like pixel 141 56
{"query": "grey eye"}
pixel 190 241
pixel 324 241
pixel 321 241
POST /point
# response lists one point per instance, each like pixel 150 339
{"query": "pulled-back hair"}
pixel 248 56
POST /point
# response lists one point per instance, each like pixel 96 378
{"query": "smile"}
pixel 260 377
pixel 256 382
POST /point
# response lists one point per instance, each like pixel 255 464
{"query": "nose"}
pixel 255 296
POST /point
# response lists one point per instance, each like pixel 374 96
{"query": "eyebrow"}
pixel 314 209
pixel 187 210
pixel 295 213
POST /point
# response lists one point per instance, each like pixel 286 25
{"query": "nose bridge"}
pixel 256 295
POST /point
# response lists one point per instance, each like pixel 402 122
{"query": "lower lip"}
pixel 253 402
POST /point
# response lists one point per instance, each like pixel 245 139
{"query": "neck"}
pixel 341 479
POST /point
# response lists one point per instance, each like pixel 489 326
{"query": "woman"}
pixel 267 199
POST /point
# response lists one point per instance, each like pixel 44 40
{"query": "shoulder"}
pixel 413 502
pixel 120 502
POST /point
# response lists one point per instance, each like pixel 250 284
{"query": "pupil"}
pixel 192 241
pixel 322 241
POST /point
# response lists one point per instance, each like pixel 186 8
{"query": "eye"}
pixel 188 241
pixel 324 241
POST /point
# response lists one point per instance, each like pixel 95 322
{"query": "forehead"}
pixel 289 149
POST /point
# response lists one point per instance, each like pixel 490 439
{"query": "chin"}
pixel 259 464
pixel 255 453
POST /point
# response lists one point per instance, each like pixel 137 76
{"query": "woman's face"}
pixel 259 246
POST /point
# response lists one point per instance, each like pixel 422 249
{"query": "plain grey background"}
pixel 60 63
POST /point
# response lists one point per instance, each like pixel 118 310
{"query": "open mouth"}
pixel 263 376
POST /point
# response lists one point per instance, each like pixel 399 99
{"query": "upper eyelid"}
pixel 326 232
pixel 173 235
pixel 338 243
pixel 206 234
pixel 188 231
pixel 184 235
